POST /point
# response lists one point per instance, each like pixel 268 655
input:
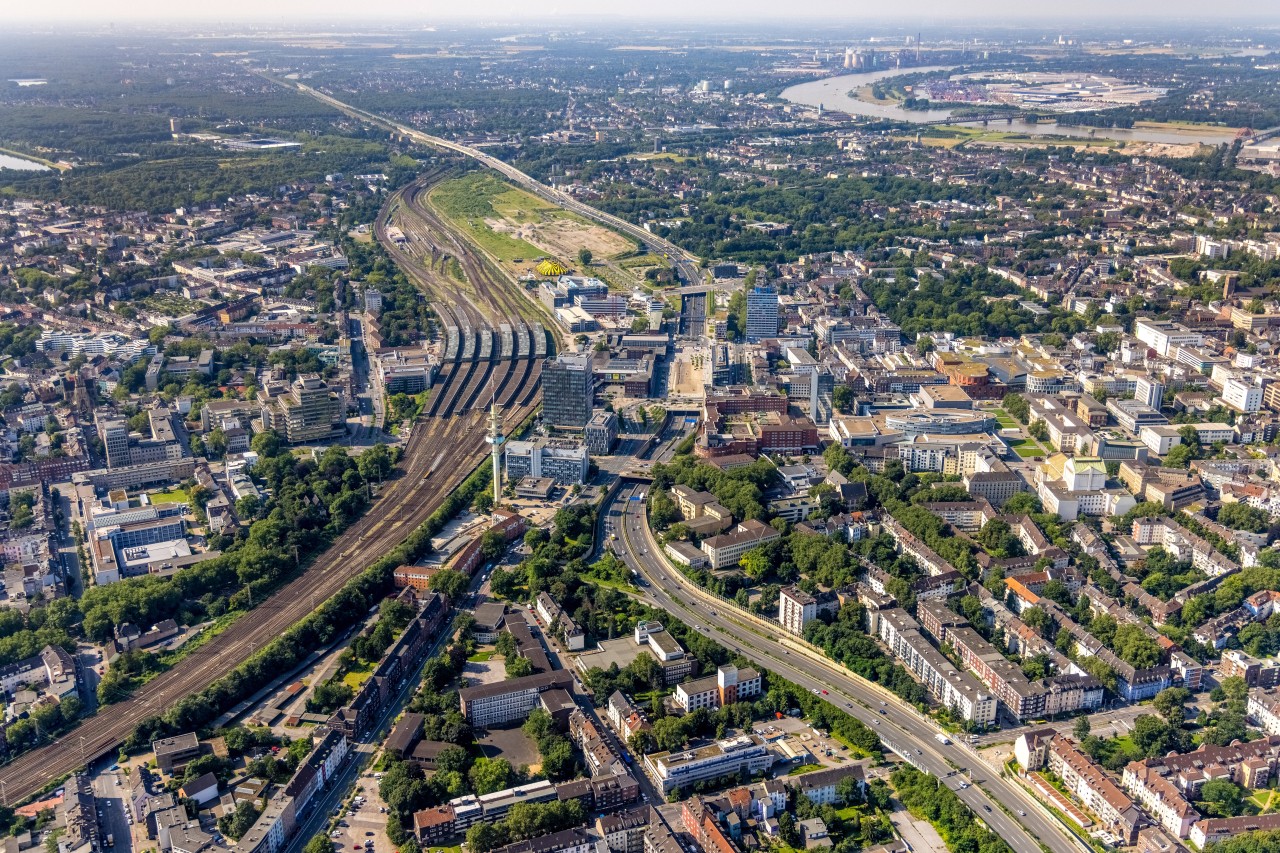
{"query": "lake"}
pixel 8 161
pixel 833 93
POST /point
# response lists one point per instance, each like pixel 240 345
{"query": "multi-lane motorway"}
pixel 1003 805
pixel 686 264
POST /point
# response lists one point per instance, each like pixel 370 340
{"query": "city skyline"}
pixel 923 13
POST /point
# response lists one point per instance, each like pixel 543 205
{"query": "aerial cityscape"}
pixel 731 430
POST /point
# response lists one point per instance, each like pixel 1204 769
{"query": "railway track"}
pixel 445 446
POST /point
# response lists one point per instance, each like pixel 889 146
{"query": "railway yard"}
pixel 492 344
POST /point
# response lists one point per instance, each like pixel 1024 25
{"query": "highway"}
pixel 686 264
pixel 1004 806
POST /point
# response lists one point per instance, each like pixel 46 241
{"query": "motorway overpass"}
pixel 685 264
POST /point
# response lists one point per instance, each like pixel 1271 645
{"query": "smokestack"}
pixel 917 47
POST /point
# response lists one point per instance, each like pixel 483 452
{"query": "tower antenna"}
pixel 495 439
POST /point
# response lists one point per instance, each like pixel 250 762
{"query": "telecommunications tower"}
pixel 495 439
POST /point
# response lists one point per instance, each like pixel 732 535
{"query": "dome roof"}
pixel 550 268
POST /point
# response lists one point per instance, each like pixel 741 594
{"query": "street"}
pixel 1009 810
pixel 109 788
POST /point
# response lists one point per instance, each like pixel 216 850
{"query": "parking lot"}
pixel 362 826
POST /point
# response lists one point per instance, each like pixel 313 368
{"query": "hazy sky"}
pixel 843 11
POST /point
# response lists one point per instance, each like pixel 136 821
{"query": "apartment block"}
pixel 727 686
pixel 505 701
pixel 951 687
pixel 730 757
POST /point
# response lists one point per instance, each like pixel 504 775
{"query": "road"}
pixel 1006 807
pixel 440 453
pixel 322 806
pixel 685 263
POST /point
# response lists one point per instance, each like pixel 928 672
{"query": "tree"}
pixel 518 667
pixel 1036 618
pixel 449 583
pixel 238 822
pixel 1179 457
pixel 1022 503
pixel 319 843
pixel 1222 797
pixel 490 774
pixel 375 463
pixel 1170 703
pixel 1241 516
pixel 1081 727
pixel 1135 648
pixel 755 563
pixel 492 544
pixel 584 257
pixel 842 399
pixel 1016 405
pixel 452 759
pixel 669 734
pixel 1155 737
pixel 483 837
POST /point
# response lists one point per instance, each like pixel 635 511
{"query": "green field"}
pixel 470 200
pixel 1027 448
pixel 357 676
pixel 481 657
pixel 1006 420
pixel 172 496
pixel 804 768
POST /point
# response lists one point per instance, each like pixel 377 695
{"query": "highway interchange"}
pixel 1003 805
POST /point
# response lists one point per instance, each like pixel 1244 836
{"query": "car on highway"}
pixel 817 692
pixel 988 808
pixel 1021 813
pixel 824 693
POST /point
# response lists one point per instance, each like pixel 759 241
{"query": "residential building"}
pixel 727 686
pixel 953 687
pixel 742 755
pixel 724 552
pixel 796 608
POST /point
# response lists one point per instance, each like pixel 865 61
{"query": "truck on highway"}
pixel 942 739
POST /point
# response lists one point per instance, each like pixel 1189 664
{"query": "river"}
pixel 833 93
pixel 8 161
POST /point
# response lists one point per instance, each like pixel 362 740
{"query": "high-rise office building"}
pixel 307 410
pixel 568 386
pixel 1149 391
pixel 115 439
pixel 762 313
